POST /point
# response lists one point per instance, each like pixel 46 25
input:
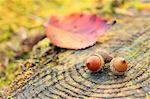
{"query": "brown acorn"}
pixel 95 63
pixel 118 65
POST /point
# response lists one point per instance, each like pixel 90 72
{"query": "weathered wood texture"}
pixel 60 73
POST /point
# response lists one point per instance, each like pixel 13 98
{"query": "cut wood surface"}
pixel 60 73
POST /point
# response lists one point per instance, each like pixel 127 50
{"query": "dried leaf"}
pixel 76 31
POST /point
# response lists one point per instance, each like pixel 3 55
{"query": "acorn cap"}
pixel 118 65
pixel 106 56
pixel 94 63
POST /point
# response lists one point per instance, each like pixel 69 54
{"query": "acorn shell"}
pixel 118 65
pixel 95 63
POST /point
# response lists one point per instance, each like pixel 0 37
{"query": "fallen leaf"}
pixel 76 31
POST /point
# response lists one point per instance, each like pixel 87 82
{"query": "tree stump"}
pixel 52 72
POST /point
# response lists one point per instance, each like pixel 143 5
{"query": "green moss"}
pixel 5 36
pixel 4 82
pixel 10 72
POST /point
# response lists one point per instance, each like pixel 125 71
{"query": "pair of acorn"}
pixel 95 63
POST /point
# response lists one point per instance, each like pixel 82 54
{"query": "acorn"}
pixel 118 65
pixel 95 63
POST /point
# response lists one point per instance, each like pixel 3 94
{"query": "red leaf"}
pixel 76 31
